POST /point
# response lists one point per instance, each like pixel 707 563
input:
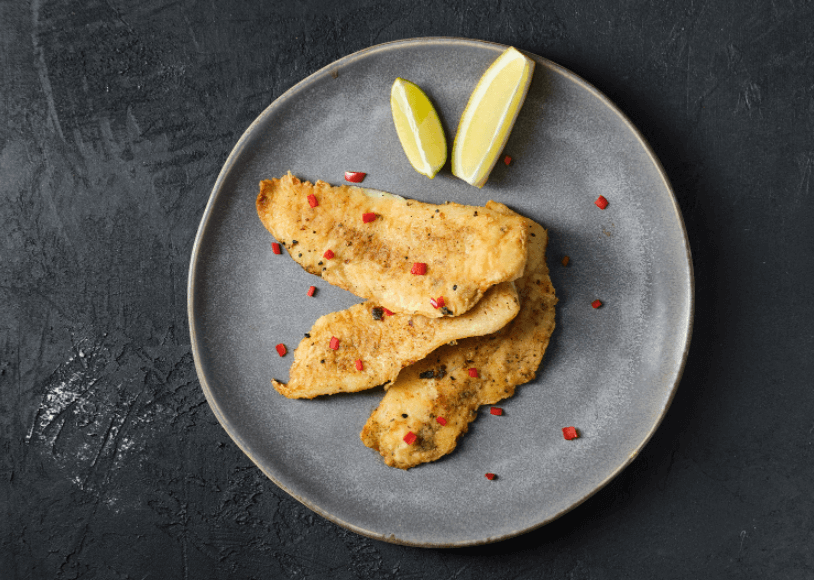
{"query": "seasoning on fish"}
pixel 503 360
pixel 471 248
pixel 386 345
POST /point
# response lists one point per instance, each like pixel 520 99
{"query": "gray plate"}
pixel 610 372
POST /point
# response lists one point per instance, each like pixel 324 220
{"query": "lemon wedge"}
pixel 489 116
pixel 418 127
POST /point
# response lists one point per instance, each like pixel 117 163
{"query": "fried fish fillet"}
pixel 373 240
pixel 384 344
pixel 441 386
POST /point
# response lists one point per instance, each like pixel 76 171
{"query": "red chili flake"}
pixel 281 350
pixel 596 303
pixel 496 411
pixel 490 476
pixel 359 365
pixel 419 268
pixel 507 160
pixel 386 311
pixel 601 202
pixel 441 421
pixel 275 247
pixel 565 260
pixel 312 200
pixel 334 343
pixel 354 176
pixel 328 255
pixel 473 373
pixel 369 217
pixel 569 433
pixel 311 290
pixel 410 438
pixel 437 302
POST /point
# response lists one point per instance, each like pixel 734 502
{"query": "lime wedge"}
pixel 490 115
pixel 418 127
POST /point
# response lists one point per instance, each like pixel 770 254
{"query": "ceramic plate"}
pixel 610 372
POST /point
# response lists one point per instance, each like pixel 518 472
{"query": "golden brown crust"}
pixel 505 359
pixel 467 249
pixel 384 344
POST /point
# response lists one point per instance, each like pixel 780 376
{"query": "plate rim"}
pixel 217 188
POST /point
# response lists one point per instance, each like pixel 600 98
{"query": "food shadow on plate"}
pixel 526 128
pixel 449 130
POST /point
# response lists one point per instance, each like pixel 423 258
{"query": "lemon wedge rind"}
pixel 489 116
pixel 418 127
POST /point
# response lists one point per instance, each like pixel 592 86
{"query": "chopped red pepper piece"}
pixel 490 476
pixel 312 200
pixel 354 176
pixel 369 217
pixel 311 290
pixel 281 350
pixel 329 254
pixel 386 311
pixel 565 260
pixel 334 343
pixel 410 438
pixel 473 373
pixel 437 302
pixel 569 433
pixel 275 247
pixel 441 421
pixel 601 202
pixel 496 411
pixel 359 365
pixel 596 303
pixel 507 160
pixel 419 268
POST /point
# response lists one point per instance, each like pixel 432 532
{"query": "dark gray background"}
pixel 115 119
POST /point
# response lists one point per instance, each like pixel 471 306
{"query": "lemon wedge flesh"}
pixel 489 116
pixel 418 127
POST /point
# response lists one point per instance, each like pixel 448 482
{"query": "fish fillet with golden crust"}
pixel 503 360
pixel 466 249
pixel 384 344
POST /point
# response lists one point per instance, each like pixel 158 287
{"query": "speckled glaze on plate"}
pixel 611 372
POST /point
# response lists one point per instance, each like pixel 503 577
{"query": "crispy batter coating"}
pixel 503 360
pixel 384 344
pixel 466 249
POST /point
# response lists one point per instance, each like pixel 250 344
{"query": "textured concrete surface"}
pixel 115 118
